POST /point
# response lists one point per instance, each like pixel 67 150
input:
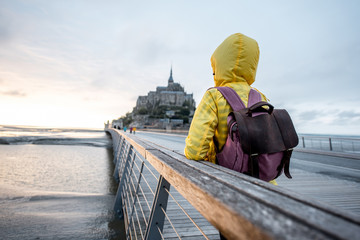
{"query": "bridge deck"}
pixel 341 194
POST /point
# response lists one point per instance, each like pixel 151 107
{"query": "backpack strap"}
pixel 254 97
pixel 232 98
pixel 235 101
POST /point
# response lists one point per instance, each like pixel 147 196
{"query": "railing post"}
pixel 118 201
pixel 330 144
pixel 157 217
pixel 303 141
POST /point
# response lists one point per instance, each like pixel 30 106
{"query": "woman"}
pixel 234 65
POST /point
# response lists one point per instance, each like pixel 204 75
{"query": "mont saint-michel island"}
pixel 168 107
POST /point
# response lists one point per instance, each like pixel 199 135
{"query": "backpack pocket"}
pixel 232 155
pixel 270 165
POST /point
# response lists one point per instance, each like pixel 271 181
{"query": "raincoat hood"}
pixel 235 60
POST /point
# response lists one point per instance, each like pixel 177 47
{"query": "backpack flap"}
pixel 287 128
pixel 265 133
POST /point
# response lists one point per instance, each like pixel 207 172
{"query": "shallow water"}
pixel 58 188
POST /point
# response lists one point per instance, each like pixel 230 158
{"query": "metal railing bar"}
pixel 331 143
pixel 136 165
pixel 126 219
pixel 135 175
pixel 190 218
pixel 142 211
pixel 138 202
pixel 127 193
pixel 132 221
pixel 173 227
pixel 122 157
pixel 146 200
pixel 132 183
pixel 137 190
pixel 157 179
pixel 332 137
pixel 130 235
pixel 118 159
pixel 136 195
pixel 118 146
pixel 129 217
pixel 162 237
pixel 126 223
pixel 128 230
pixel 130 176
pixel 127 205
pixel 145 218
pixel 135 234
pixel 133 158
pixel 123 149
pixel 137 217
pixel 132 193
pixel 147 183
pixel 138 221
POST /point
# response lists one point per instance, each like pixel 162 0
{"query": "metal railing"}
pixel 335 144
pixel 162 195
pixel 147 203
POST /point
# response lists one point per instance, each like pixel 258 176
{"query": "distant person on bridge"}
pixel 234 65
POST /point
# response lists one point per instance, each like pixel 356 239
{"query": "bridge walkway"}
pixel 194 199
pixel 341 191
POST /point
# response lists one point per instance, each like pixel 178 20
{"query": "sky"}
pixel 75 63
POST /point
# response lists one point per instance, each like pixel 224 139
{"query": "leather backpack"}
pixel 260 138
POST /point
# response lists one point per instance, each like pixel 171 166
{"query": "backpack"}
pixel 260 138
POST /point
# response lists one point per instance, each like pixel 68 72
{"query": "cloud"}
pixel 4 27
pixel 309 115
pixel 13 93
pixel 326 119
pixel 346 118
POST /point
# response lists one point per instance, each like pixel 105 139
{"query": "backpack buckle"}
pixel 233 130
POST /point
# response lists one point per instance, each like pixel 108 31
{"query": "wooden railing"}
pixel 239 206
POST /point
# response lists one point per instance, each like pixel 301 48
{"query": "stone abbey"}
pixel 167 107
pixel 172 95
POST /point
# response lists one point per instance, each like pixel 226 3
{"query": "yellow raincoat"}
pixel 234 65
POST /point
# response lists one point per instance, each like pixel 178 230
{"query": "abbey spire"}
pixel 171 80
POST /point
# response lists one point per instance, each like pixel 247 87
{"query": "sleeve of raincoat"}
pixel 202 129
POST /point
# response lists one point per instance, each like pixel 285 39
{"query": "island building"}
pixel 167 107
pixel 171 95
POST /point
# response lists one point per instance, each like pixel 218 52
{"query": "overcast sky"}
pixel 76 63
